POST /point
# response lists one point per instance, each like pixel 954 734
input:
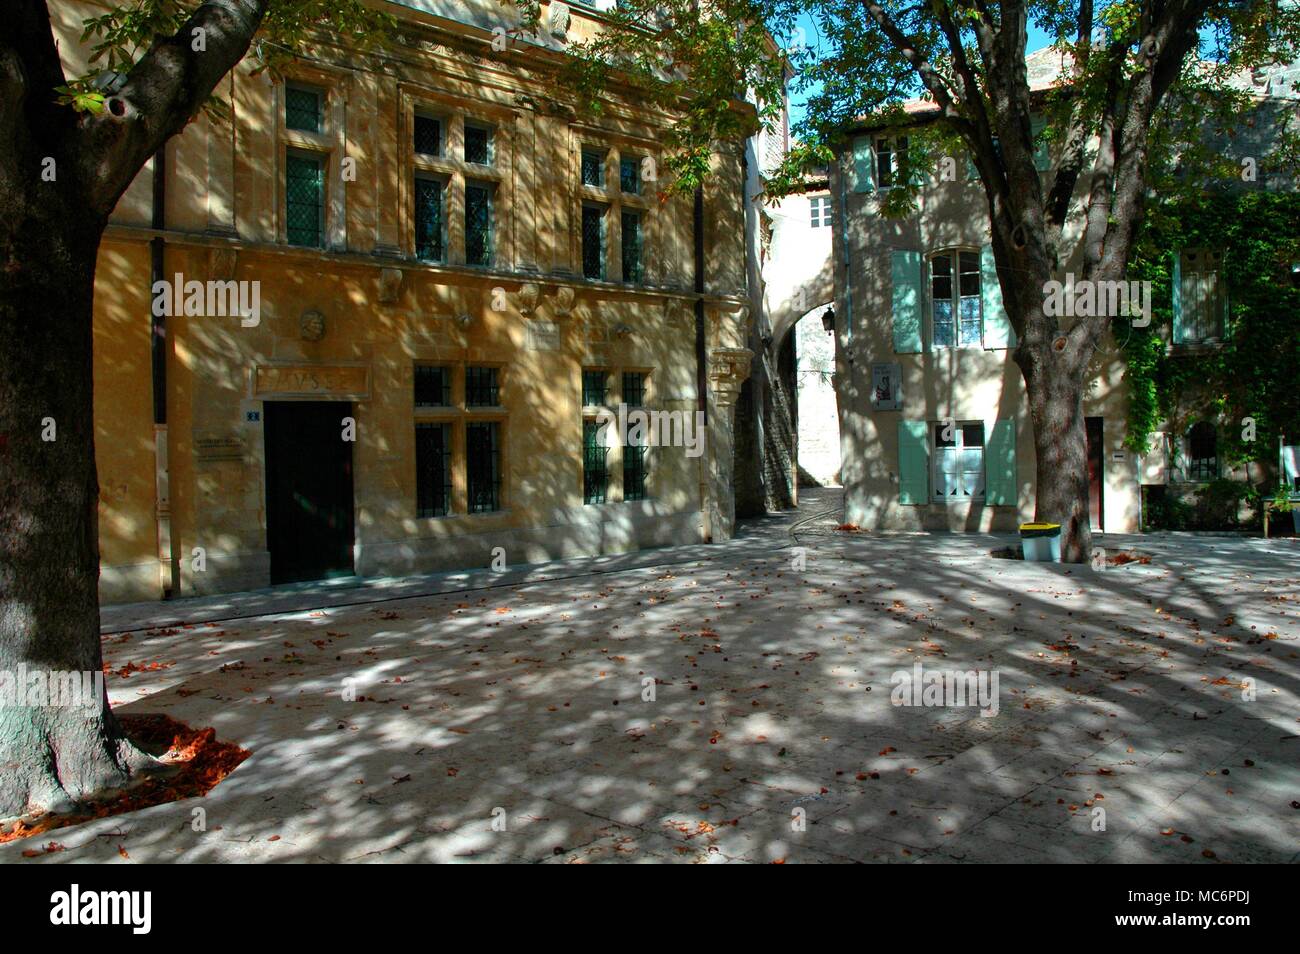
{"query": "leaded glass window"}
pixel 478 224
pixel 632 271
pixel 428 136
pixel 593 242
pixel 304 198
pixel 430 232
pixel 593 168
pixel 303 109
pixel 478 145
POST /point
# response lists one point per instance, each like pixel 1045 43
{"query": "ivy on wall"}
pixel 1255 372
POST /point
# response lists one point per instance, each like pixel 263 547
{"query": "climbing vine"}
pixel 1254 375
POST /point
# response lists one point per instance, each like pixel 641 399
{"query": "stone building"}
pixel 394 295
pixel 934 423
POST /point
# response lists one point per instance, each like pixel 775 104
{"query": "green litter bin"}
pixel 1041 542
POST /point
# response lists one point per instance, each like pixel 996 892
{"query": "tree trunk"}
pixel 51 757
pixel 1055 389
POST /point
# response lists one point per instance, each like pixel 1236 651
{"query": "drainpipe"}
pixel 701 360
pixel 848 272
pixel 158 357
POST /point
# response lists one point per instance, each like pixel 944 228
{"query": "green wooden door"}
pixel 309 509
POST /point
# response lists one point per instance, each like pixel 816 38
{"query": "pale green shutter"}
pixel 913 462
pixel 1180 329
pixel 906 272
pixel 997 327
pixel 864 165
pixel 1042 158
pixel 1001 486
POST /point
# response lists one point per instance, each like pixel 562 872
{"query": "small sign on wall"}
pixel 886 387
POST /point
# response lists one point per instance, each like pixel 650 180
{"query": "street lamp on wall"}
pixel 828 320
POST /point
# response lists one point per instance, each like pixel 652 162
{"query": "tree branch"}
pixel 163 92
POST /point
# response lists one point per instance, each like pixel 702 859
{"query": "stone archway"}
pixel 816 408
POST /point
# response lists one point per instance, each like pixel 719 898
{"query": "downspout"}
pixel 701 361
pixel 158 358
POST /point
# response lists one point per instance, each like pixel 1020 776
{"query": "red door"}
pixel 1096 460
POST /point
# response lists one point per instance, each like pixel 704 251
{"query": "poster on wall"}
pixel 886 387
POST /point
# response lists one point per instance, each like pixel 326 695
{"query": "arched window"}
pixel 1202 452
pixel 955 317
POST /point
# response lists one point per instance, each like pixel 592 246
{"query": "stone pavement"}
pixel 1165 695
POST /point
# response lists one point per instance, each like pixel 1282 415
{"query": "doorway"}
pixel 1096 466
pixel 309 508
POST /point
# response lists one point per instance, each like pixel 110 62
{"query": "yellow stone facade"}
pixel 184 503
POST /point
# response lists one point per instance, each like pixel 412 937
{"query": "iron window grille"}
pixel 481 388
pixel 633 388
pixel 428 136
pixel 593 388
pixel 303 109
pixel 478 224
pixel 430 230
pixel 593 242
pixel 478 145
pixel 432 470
pixel 595 472
pixel 483 466
pixel 432 386
pixel 1202 452
pixel 304 199
pixel 634 472
pixel 632 271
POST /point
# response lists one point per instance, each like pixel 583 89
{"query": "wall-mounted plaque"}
pixel 887 387
pixel 543 336
pixel 341 381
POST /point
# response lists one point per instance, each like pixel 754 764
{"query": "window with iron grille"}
pixel 593 388
pixel 432 470
pixel 432 386
pixel 478 145
pixel 593 242
pixel 632 271
pixel 634 472
pixel 633 388
pixel 593 168
pixel 303 109
pixel 478 224
pixel 629 175
pixel 481 387
pixel 595 473
pixel 428 135
pixel 1202 452
pixel 430 230
pixel 483 466
pixel 304 198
